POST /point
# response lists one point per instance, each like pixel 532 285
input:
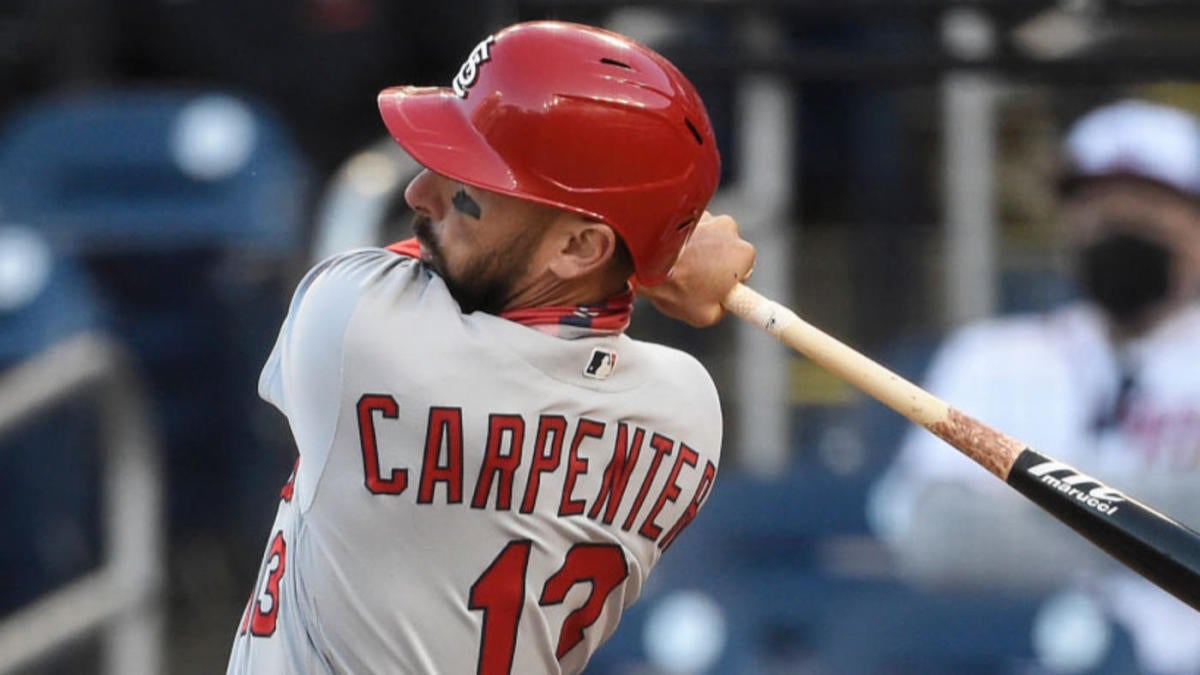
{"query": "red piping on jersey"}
pixel 609 316
pixel 409 248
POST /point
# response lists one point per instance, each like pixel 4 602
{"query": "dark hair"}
pixel 622 260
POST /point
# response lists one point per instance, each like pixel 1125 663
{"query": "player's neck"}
pixel 547 290
pixel 551 291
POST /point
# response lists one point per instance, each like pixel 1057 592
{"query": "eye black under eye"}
pixel 463 202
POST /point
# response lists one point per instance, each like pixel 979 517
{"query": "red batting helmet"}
pixel 573 117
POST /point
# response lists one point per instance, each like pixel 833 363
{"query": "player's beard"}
pixel 486 281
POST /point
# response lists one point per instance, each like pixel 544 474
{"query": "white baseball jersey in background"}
pixel 472 495
pixel 1131 419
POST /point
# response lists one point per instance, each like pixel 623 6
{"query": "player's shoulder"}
pixel 678 385
pixel 666 357
pixel 366 272
pixel 673 368
pixel 366 264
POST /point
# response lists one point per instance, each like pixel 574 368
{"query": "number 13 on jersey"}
pixel 500 594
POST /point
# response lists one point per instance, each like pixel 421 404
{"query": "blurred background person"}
pixel 1107 383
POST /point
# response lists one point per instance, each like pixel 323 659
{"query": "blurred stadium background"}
pixel 168 169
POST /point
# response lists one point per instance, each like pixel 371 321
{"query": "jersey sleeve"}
pixel 302 376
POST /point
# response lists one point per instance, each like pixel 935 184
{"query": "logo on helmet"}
pixel 468 74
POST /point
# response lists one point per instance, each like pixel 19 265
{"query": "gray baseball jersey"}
pixel 471 495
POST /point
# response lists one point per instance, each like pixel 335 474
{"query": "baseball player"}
pixel 488 467
pixel 1109 382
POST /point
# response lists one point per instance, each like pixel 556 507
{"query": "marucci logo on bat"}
pixel 1101 497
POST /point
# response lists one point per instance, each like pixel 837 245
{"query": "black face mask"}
pixel 1125 274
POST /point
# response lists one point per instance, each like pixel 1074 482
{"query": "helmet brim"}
pixel 428 123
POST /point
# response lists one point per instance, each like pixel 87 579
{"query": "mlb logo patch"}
pixel 601 365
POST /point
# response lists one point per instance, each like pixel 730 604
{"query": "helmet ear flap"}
pixel 578 118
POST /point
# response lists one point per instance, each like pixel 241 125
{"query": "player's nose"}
pixel 423 194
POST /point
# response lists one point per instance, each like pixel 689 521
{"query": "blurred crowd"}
pixel 165 166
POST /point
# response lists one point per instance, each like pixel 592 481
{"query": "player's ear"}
pixel 583 246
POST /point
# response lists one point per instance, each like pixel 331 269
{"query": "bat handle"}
pixel 768 315
pixel 991 449
pixel 889 388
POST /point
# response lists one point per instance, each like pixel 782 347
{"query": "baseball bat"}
pixel 1154 545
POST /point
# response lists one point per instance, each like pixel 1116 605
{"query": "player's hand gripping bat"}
pixel 1152 544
